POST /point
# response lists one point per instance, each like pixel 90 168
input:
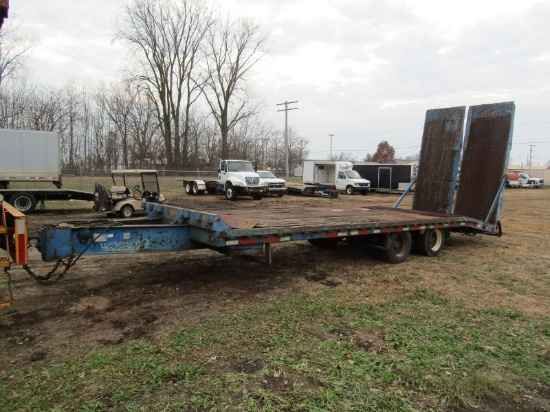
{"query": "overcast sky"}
pixel 362 70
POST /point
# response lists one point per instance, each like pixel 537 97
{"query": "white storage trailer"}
pixel 29 156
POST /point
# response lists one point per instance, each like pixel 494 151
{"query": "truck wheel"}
pixel 349 190
pixel 127 211
pixel 398 247
pixel 257 196
pixel 24 202
pixel 431 242
pixel 195 188
pixel 230 192
pixel 187 188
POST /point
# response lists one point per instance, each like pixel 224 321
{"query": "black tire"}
pixel 349 190
pixel 430 242
pixel 326 243
pixel 126 211
pixel 230 192
pixel 195 188
pixel 187 188
pixel 257 196
pixel 24 202
pixel 398 247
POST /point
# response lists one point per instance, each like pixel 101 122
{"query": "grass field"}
pixel 320 330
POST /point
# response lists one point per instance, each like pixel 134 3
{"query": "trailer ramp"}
pixel 487 146
pixel 439 159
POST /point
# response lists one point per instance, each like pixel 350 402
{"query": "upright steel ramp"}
pixel 487 144
pixel 439 160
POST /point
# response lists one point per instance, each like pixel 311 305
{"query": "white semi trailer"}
pixel 28 157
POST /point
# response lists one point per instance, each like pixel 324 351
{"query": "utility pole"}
pixel 265 143
pixel 530 157
pixel 331 136
pixel 286 109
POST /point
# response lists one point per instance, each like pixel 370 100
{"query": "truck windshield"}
pixel 352 174
pixel 239 167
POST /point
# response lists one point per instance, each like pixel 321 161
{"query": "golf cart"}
pixel 122 201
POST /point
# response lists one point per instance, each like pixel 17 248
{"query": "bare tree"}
pixel 297 148
pixel 342 156
pixel 233 49
pixel 13 47
pixel 165 37
pixel 14 96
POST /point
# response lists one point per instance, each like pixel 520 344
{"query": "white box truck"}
pixel 335 173
pixel 29 156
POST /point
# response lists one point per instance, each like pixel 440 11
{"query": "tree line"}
pixel 183 102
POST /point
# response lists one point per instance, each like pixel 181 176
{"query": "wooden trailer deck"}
pixel 246 222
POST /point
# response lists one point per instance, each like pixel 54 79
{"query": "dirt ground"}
pixel 113 300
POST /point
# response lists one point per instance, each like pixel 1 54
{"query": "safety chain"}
pixel 49 278
pixel 7 303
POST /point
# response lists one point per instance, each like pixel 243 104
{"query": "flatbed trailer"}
pixel 27 200
pixel 438 207
pixel 253 232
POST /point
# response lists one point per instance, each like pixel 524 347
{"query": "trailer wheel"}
pixel 230 192
pixel 349 190
pixel 127 211
pixel 398 247
pixel 24 202
pixel 431 242
pixel 187 188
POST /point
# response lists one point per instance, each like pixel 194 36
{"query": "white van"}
pixel 335 173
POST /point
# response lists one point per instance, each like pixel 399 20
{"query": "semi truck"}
pixel 29 159
pixel 235 178
pixel 394 232
pixel 335 173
